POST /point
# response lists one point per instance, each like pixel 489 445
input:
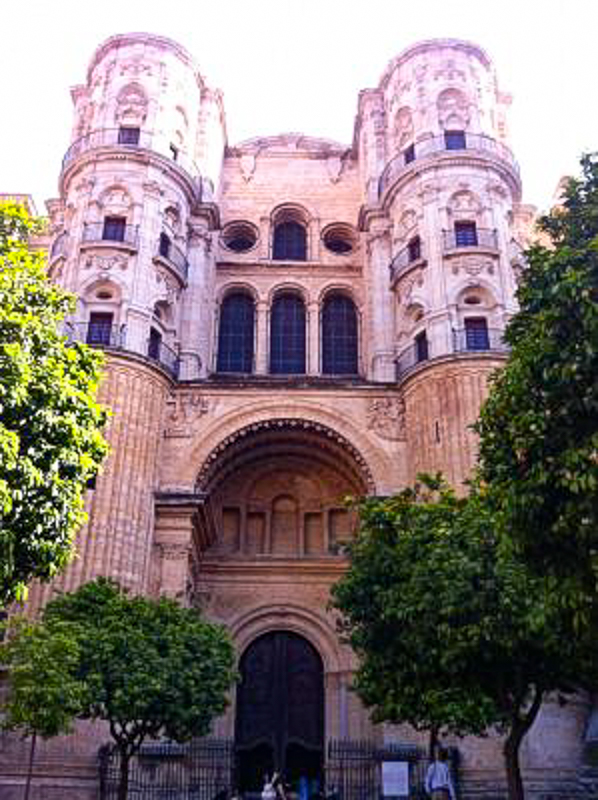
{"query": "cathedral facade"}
pixel 287 322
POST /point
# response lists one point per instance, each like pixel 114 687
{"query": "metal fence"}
pixel 354 769
pixel 199 770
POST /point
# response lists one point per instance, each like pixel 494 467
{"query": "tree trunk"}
pixel 30 766
pixel 511 751
pixel 123 778
pixel 433 743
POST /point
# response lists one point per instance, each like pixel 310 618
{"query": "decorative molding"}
pixel 472 265
pixel 247 164
pixel 185 409
pixel 386 417
pixel 106 263
pixel 334 166
pixel 174 552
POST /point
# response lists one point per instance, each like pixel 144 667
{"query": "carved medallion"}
pixel 386 417
pixel 185 409
pixel 107 263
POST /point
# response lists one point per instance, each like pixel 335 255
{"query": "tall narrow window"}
pixel 421 347
pixel 287 335
pixel 164 245
pixel 114 229
pixel 155 344
pixel 476 334
pixel 454 140
pixel 339 336
pixel 414 249
pixel 290 242
pixel 100 328
pixel 235 334
pixel 128 135
pixel 466 234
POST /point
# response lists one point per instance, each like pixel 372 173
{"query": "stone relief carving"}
pixel 449 71
pixel 403 127
pixel 135 67
pixel 453 109
pixel 386 418
pixel 413 279
pixel 153 188
pixel 334 166
pixel 131 105
pixel 174 552
pixel 107 263
pixel 247 164
pixel 472 265
pixel 185 409
pixel 166 285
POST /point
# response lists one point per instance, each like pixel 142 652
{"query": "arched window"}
pixel 290 242
pixel 287 335
pixel 235 334
pixel 339 336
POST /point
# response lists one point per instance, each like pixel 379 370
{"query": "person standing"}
pixel 438 783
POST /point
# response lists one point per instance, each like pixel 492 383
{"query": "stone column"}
pixel 176 533
pixel 197 314
pixel 382 367
pixel 313 338
pixel 261 343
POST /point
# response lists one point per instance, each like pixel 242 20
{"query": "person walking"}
pixel 438 783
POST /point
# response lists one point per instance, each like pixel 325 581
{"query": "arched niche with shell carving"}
pixel 453 110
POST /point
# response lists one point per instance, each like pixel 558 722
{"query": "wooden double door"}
pixel 280 713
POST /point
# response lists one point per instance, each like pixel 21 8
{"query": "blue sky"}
pixel 298 65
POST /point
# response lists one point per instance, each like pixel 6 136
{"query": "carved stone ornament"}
pixel 386 418
pixel 334 165
pixel 247 165
pixel 185 409
pixel 174 552
pixel 107 263
pixel 167 287
pixel 472 265
pixel 132 104
pixel 135 67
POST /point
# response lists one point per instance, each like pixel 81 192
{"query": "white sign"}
pixel 395 778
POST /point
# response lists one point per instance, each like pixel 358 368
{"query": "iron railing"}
pixel 412 356
pixel 96 334
pixel 175 258
pixel 354 769
pixel 165 356
pixel 405 259
pixel 202 769
pixel 428 148
pixel 479 339
pixel 479 237
pixel 113 137
pixel 100 232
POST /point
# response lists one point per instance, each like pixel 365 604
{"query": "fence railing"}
pixel 202 769
pixel 115 137
pixel 100 232
pixel 97 334
pixel 428 148
pixel 175 257
pixel 405 259
pixel 478 237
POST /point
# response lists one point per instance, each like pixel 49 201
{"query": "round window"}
pixel 339 239
pixel 240 237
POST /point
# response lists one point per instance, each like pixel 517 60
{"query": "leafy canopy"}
pixel 148 667
pixel 451 632
pixel 50 425
pixel 539 426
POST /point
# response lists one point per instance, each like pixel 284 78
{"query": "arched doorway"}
pixel 280 713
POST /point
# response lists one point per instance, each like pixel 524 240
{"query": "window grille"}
pixel 128 135
pixel 466 234
pixel 100 328
pixel 287 336
pixel 114 229
pixel 235 334
pixel 290 242
pixel 454 140
pixel 476 334
pixel 339 336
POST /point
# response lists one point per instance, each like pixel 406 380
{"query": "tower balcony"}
pixel 131 140
pixel 469 237
pixel 106 335
pixel 172 257
pixel 468 145
pixel 464 341
pixel 407 259
pixel 109 234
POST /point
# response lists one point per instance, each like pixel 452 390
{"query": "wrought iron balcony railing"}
pixel 175 257
pixel 411 254
pixel 475 237
pixel 105 334
pixel 164 355
pixel 143 140
pixel 475 143
pixel 101 232
pixel 464 340
pixel 479 339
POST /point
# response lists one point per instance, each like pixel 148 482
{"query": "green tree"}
pixel 50 425
pixel 148 668
pixel 452 634
pixel 539 426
